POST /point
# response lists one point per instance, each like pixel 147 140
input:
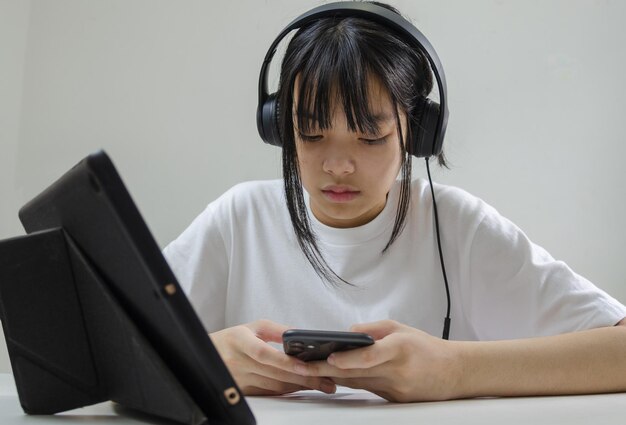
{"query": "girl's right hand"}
pixel 257 367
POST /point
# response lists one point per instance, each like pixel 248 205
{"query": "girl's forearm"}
pixel 585 362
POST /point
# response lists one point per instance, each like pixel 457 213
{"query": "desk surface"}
pixel 359 407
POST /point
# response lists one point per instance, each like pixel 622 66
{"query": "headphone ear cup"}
pixel 269 121
pixel 424 127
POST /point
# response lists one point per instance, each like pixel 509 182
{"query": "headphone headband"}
pixel 374 13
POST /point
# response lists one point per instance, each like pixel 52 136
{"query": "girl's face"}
pixel 349 174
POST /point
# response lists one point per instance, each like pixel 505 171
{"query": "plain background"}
pixel 169 89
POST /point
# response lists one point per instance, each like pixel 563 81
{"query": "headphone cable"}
pixel 446 322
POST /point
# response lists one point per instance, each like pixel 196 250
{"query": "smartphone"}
pixel 309 345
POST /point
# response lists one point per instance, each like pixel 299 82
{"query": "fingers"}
pixel 308 382
pixel 369 384
pixel 265 392
pixel 382 387
pixel 360 362
pixel 324 369
pixel 267 330
pixel 260 384
pixel 279 367
pixel 256 365
pixel 268 355
pixel 378 330
pixel 363 358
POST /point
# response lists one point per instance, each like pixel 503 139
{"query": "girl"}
pixel 341 243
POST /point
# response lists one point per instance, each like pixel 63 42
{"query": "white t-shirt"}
pixel 239 261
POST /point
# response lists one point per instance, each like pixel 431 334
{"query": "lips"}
pixel 340 193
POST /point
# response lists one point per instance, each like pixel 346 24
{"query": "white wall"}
pixel 168 88
pixel 13 35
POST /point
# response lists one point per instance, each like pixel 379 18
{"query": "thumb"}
pixel 267 330
pixel 377 330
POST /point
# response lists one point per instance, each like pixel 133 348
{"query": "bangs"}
pixel 337 72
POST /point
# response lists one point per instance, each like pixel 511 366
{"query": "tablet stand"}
pixel 69 340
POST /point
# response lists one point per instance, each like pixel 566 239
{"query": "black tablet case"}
pixel 99 220
pixel 70 342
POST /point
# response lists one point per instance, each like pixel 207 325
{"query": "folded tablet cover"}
pixel 70 343
pixel 91 204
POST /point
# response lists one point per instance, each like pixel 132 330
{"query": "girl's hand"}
pixel 257 367
pixel 404 364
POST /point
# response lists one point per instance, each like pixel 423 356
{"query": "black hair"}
pixel 334 59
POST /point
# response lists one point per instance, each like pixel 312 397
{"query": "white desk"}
pixel 355 407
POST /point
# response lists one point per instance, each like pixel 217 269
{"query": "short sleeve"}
pixel 518 290
pixel 199 259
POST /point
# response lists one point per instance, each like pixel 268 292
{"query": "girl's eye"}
pixel 307 138
pixel 379 141
pixel 367 141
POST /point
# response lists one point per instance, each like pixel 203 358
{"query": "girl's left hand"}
pixel 404 365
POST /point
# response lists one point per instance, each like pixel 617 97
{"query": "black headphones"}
pixel 429 123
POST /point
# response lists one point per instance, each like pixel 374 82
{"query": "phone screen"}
pixel 310 345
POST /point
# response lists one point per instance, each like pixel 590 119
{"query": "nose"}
pixel 338 163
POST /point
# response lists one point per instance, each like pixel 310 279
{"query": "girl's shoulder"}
pixel 248 197
pixel 254 191
pixel 450 200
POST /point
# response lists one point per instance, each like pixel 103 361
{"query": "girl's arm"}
pixel 592 361
pixel 407 365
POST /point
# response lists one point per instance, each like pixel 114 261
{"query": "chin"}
pixel 341 215
pixel 341 211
